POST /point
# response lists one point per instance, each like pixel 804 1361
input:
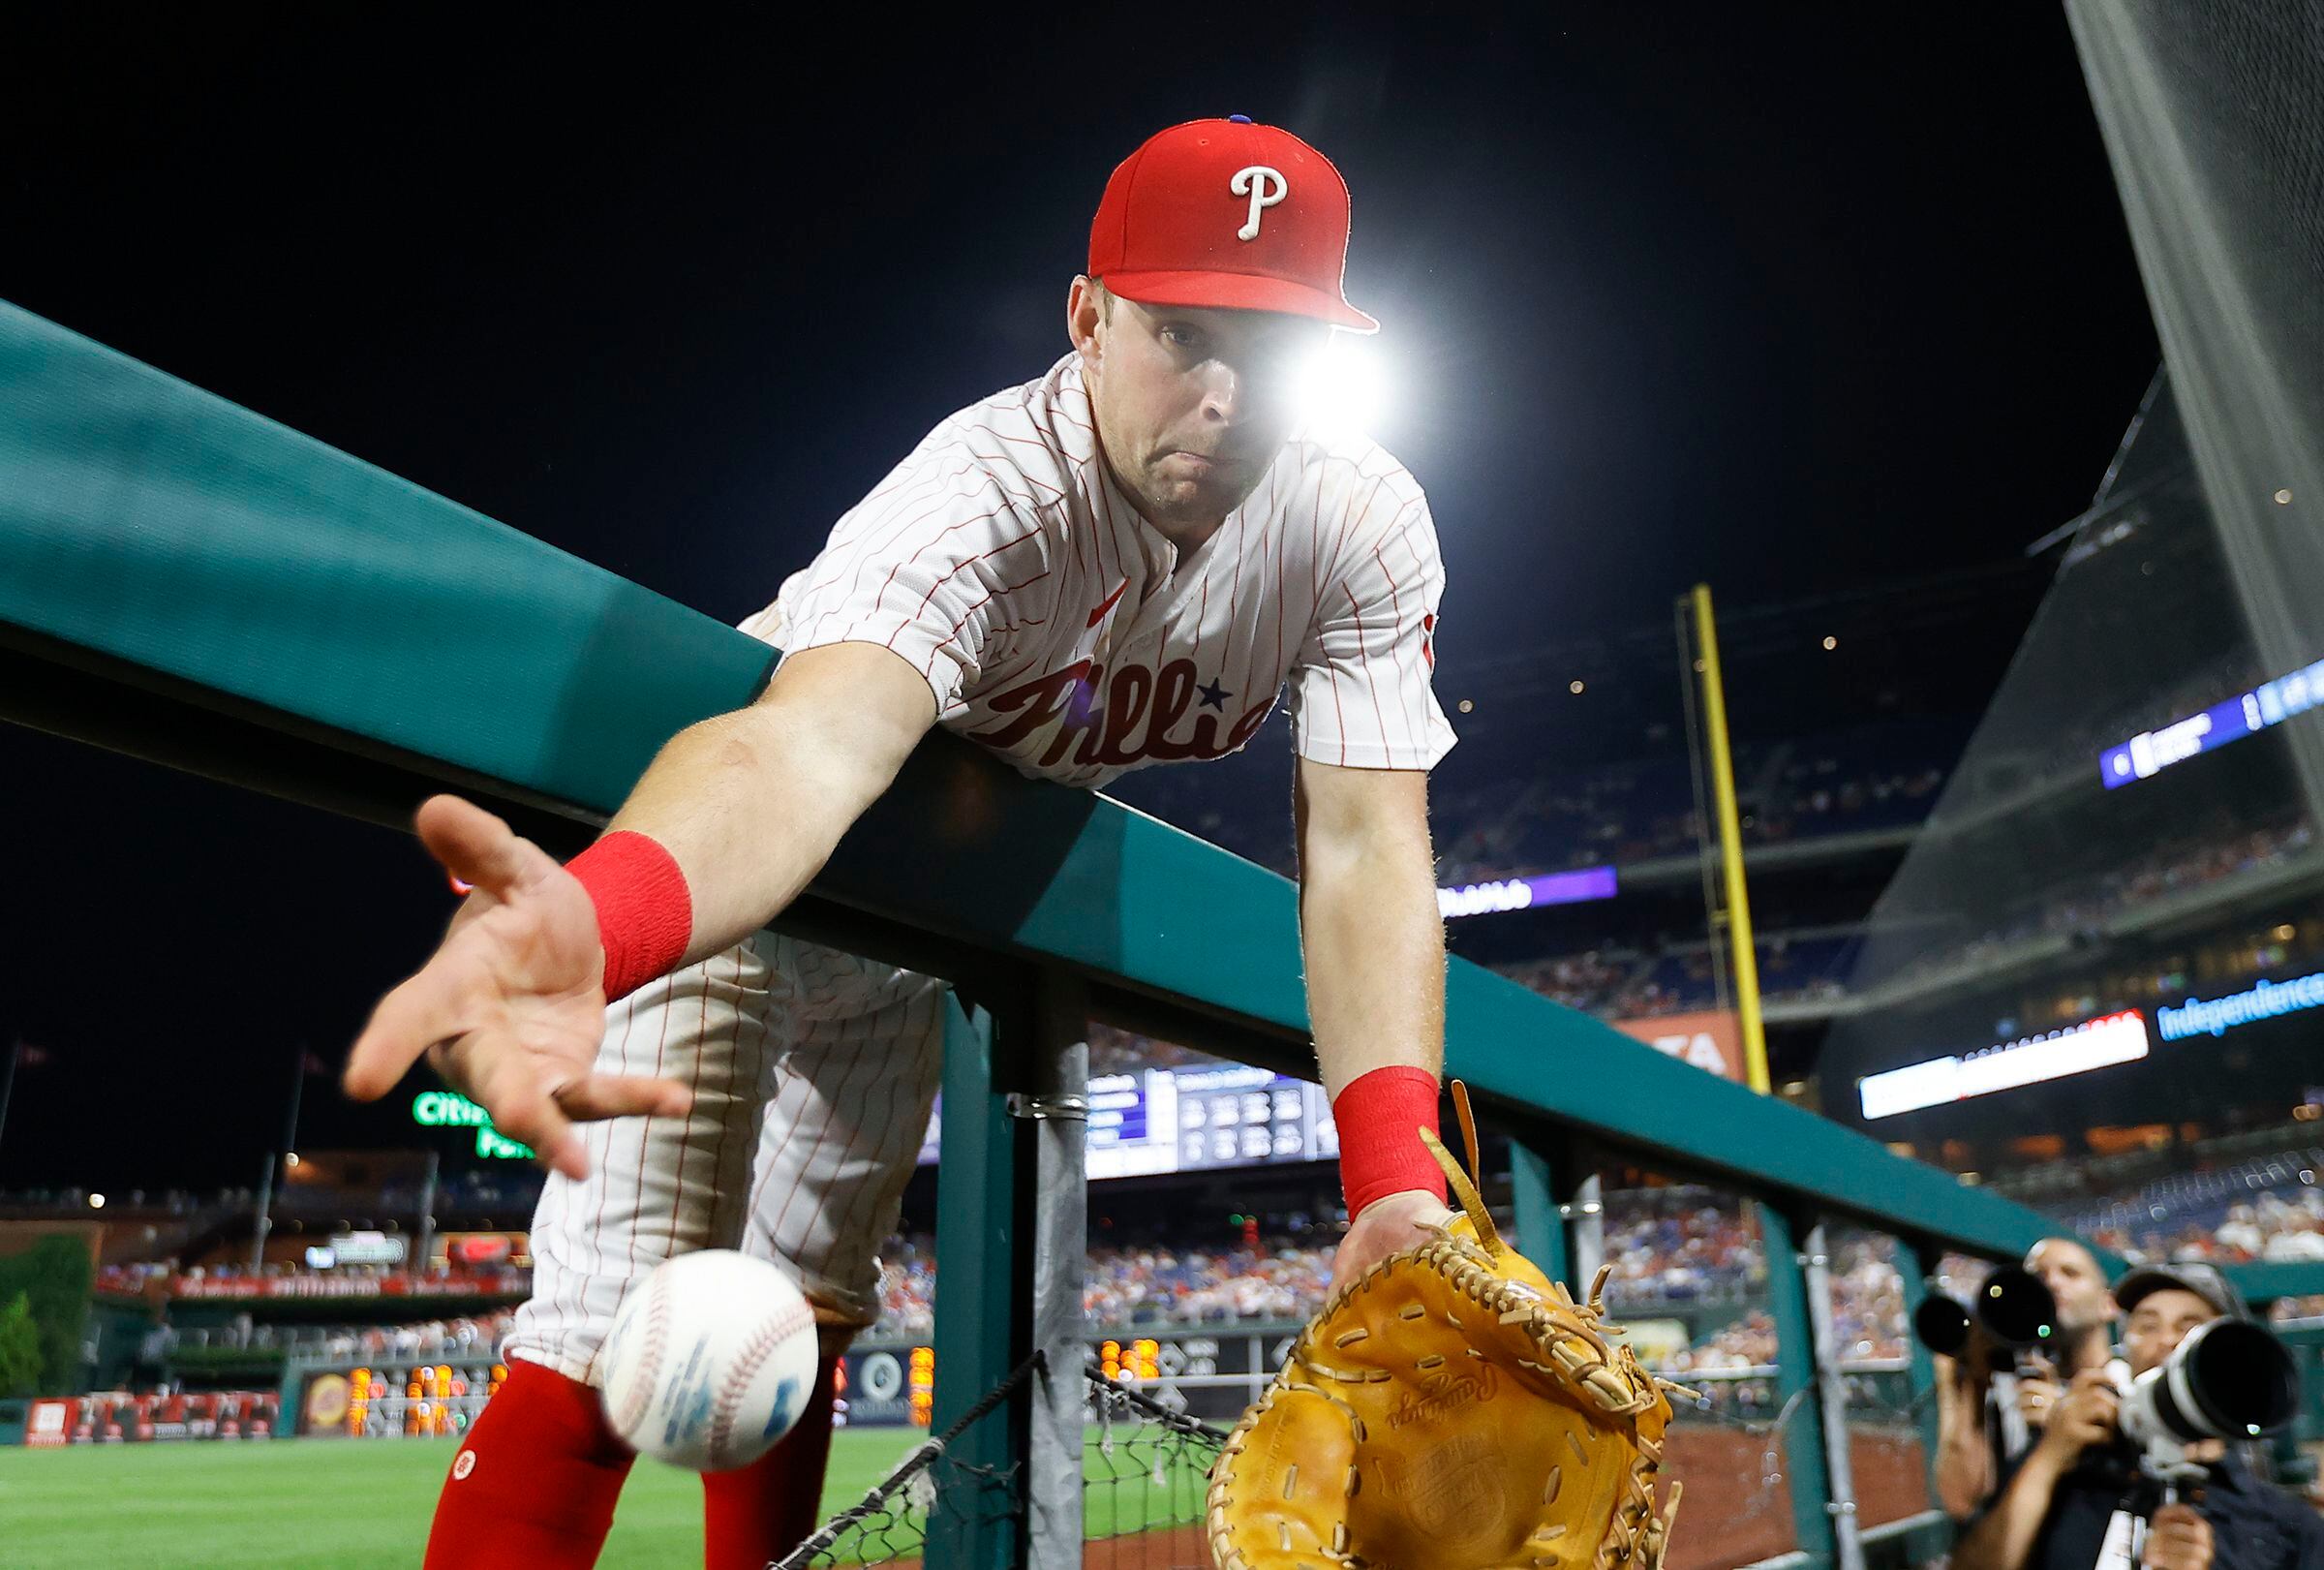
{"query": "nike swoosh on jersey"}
pixel 1115 598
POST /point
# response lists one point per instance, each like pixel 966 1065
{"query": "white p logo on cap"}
pixel 1265 187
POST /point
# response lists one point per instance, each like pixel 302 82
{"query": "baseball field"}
pixel 354 1506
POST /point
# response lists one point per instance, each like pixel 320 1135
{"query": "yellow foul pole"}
pixel 1730 846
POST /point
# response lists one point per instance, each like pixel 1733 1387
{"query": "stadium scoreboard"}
pixel 2075 1049
pixel 1192 1120
pixel 2247 713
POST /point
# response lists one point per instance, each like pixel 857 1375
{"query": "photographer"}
pixel 1985 1421
pixel 2079 1501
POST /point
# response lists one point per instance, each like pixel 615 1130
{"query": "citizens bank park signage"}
pixel 449 1109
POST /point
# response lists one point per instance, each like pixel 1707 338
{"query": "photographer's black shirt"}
pixel 2254 1526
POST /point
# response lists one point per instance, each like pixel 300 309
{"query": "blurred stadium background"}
pixel 2020 911
pixel 1936 875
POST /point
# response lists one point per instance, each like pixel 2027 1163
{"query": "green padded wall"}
pixel 175 535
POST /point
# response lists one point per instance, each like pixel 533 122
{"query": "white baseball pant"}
pixel 814 1073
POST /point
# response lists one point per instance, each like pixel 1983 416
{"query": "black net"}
pixel 1144 1470
pixel 2124 863
pixel 930 1491
pixel 2213 117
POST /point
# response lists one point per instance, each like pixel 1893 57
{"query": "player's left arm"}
pixel 1374 947
pixel 1367 730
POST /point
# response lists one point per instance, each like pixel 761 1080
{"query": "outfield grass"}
pixel 318 1502
pixel 355 1505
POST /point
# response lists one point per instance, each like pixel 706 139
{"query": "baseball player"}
pixel 1129 560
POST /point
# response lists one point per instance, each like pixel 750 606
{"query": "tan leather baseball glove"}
pixel 1452 1409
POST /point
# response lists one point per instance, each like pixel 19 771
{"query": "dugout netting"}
pixel 2135 823
pixel 1145 1473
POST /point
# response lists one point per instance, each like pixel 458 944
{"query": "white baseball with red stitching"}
pixel 710 1361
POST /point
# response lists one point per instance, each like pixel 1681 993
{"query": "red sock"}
pixel 536 1481
pixel 758 1513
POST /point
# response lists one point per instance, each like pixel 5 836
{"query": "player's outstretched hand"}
pixel 1387 1225
pixel 512 1007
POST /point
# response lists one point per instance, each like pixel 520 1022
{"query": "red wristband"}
pixel 645 911
pixel 1380 1151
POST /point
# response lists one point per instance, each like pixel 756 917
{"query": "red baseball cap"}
pixel 1228 213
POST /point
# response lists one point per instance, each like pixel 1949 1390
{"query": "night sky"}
pixel 1788 305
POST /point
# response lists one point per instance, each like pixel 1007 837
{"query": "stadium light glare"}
pixel 96 1202
pixel 1573 688
pixel 1343 387
pixel 1831 643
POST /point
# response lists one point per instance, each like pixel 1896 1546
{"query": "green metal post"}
pixel 1803 1436
pixel 1541 1227
pixel 984 1310
pixel 2286 1450
pixel 1912 1269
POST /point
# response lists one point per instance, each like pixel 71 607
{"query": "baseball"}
pixel 711 1360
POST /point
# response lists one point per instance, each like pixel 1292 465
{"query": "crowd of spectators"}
pixel 463 1337
pixel 278 1278
pixel 1277 1279
pixel 2088 905
pixel 1669 1250
pixel 2270 1208
pixel 1624 984
pixel 2028 748
pixel 1665 1246
pixel 1882 776
pixel 1635 811
pixel 1587 981
pixel 1868 1298
pixel 511 1188
pixel 1676 1246
pixel 1747 1344
pixel 907 1287
pixel 1280 1279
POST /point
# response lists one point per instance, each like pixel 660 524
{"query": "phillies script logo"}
pixel 1132 720
pixel 1444 1392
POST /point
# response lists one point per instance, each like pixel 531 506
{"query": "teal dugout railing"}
pixel 186 581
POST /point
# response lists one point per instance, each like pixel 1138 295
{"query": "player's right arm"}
pixel 747 806
pixel 751 804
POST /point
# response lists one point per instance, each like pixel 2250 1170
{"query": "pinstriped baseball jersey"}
pixel 1061 630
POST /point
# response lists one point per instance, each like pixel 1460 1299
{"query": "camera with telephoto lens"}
pixel 2011 1314
pixel 2229 1380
